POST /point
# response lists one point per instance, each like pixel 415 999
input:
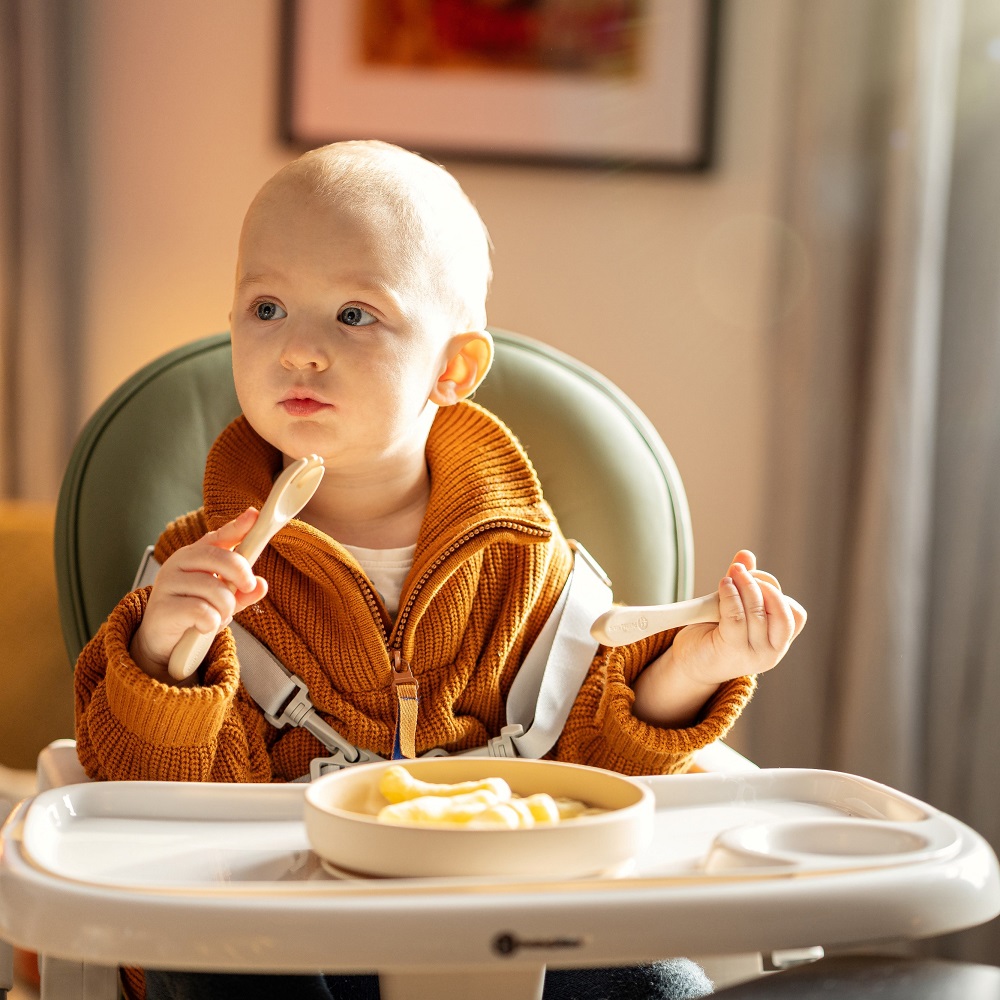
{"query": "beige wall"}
pixel 660 281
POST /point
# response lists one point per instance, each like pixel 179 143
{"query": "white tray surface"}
pixel 221 837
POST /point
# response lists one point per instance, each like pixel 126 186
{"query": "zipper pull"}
pixel 405 685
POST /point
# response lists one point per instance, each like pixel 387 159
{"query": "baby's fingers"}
pixel 798 613
pixel 731 614
pixel 232 532
pixel 194 566
pixel 244 598
pixel 763 577
pixel 742 617
pixel 781 626
pixel 201 600
pixel 213 554
pixel 758 620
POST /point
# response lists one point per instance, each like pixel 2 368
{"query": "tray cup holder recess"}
pixel 816 845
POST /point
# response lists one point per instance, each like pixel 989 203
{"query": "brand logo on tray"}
pixel 508 944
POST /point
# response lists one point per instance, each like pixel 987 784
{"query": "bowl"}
pixel 341 809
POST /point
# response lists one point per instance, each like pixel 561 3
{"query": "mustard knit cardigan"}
pixel 489 565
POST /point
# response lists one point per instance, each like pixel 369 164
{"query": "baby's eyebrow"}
pixel 376 290
pixel 249 279
pixel 380 294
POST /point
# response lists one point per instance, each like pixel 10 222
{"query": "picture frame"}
pixel 636 91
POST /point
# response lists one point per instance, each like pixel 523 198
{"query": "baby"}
pixel 359 334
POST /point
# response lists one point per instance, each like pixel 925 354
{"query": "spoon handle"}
pixel 282 504
pixel 261 532
pixel 193 645
pixel 191 649
pixel 623 625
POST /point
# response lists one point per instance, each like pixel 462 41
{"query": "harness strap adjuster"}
pixel 294 708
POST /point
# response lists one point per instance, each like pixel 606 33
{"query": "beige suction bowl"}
pixel 340 813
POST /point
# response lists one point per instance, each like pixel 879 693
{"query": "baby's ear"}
pixel 469 357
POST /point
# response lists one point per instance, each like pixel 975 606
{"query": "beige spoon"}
pixel 292 490
pixel 623 625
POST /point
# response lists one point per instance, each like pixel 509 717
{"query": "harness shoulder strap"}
pixel 554 669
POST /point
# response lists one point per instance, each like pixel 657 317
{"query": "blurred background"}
pixel 811 321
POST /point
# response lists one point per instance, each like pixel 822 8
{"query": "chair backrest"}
pixel 140 459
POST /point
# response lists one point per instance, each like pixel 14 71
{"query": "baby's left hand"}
pixel 757 625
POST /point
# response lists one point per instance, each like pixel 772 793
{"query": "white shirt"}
pixel 386 569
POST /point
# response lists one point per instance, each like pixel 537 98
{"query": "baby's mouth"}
pixel 302 406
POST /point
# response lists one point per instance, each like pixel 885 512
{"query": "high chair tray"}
pixel 188 875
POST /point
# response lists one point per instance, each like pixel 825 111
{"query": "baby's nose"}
pixel 301 356
pixel 292 364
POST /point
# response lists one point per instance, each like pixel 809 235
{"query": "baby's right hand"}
pixel 201 586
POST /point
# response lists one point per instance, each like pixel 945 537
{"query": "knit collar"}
pixel 479 473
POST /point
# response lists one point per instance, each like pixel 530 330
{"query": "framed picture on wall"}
pixel 595 82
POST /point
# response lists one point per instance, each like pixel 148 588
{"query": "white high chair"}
pixel 744 861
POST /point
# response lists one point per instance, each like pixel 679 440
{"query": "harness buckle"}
pixel 298 710
pixel 503 745
pixel 319 766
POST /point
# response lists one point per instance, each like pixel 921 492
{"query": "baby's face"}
pixel 337 345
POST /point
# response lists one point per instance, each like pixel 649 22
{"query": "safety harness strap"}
pixel 558 661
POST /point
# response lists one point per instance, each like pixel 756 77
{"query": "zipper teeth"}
pixel 404 613
pixel 376 611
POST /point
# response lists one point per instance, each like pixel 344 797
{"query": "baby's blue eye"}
pixel 268 311
pixel 356 316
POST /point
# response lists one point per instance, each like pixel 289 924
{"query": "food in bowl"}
pixel 487 802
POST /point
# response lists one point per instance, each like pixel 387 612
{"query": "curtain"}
pixel 42 241
pixel 963 627
pixel 885 416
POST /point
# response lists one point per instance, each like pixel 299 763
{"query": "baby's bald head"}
pixel 436 231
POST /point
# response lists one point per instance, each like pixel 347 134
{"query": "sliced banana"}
pixel 398 785
pixel 450 809
pixel 488 803
pixel 543 808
